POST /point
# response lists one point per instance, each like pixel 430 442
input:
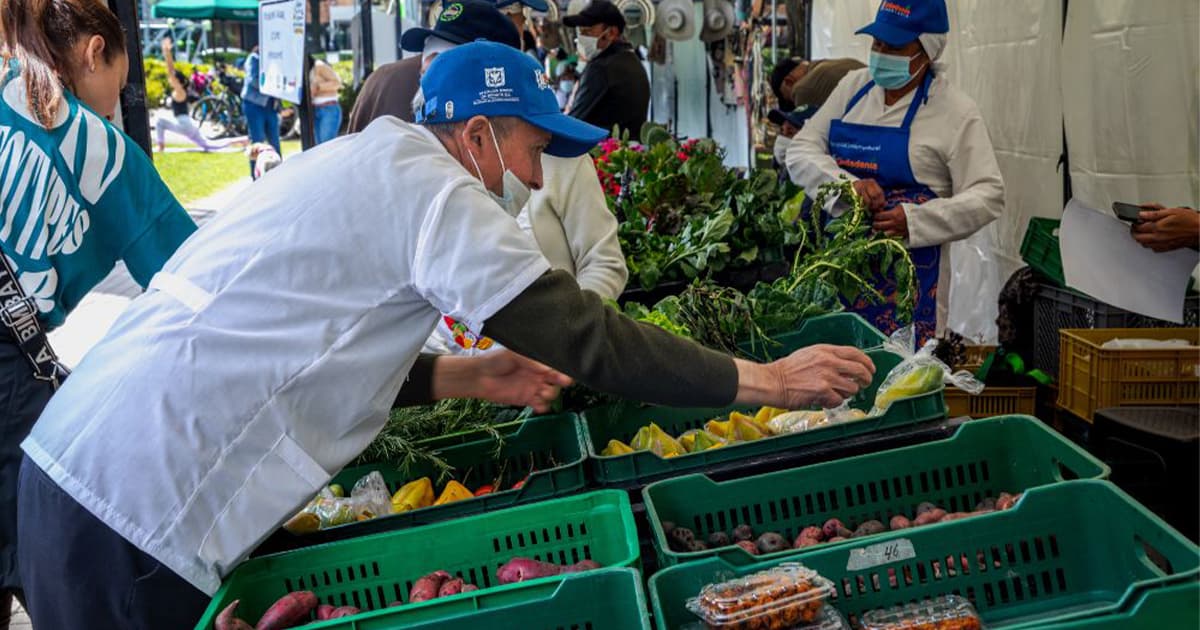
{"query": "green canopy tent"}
pixel 231 10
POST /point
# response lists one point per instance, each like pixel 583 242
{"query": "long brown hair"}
pixel 41 35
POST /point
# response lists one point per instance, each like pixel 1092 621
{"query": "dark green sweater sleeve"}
pixel 576 333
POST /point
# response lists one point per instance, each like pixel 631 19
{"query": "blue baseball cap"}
pixel 540 6
pixel 463 21
pixel 489 79
pixel 898 22
pixel 797 116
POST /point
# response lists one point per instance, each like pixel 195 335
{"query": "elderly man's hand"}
pixel 819 375
pixel 1164 229
pixel 507 378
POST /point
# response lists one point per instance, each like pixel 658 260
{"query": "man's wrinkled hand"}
pixel 507 378
pixel 822 375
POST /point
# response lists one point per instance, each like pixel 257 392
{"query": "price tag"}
pixel 880 554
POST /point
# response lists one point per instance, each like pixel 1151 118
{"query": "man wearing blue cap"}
pixel 266 354
pixel 390 89
pixel 916 148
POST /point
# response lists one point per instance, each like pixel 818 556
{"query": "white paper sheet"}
pixel 1101 259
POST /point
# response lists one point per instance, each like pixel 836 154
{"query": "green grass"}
pixel 192 176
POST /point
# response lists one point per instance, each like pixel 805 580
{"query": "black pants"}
pixel 81 575
pixel 22 398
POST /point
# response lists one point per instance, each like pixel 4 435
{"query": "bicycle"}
pixel 219 113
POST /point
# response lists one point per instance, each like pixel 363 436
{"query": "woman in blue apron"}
pixel 881 154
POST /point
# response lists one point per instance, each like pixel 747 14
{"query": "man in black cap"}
pixel 614 88
pixel 390 89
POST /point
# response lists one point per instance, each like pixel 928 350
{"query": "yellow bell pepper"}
pixel 720 428
pixel 414 495
pixel 765 414
pixel 616 447
pixel 454 491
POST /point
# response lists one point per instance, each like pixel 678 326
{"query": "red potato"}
pixel 228 620
pixel 749 546
pixel 427 587
pixel 1005 501
pixel 521 569
pixel 954 516
pixel 450 587
pixel 344 611
pixel 931 516
pixel 324 611
pixel 899 521
pixel 290 610
pixel 467 588
pixel 833 527
pixel 802 542
pixel 815 533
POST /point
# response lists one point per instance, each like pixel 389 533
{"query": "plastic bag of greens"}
pixel 919 373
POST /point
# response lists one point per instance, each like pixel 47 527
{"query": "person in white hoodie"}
pixel 916 148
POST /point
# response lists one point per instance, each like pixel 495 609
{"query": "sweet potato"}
pixel 748 546
pixel 814 532
pixel 290 610
pixel 1005 501
pixel 228 620
pixel 742 532
pixel 803 541
pixel 932 516
pixel 772 542
pixel 450 587
pixel 467 588
pixel 344 611
pixel 899 521
pixel 427 587
pixel 324 611
pixel 583 565
pixel 521 569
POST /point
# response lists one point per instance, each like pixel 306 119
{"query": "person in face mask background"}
pixel 568 78
pixel 613 88
pixel 790 123
pixel 916 148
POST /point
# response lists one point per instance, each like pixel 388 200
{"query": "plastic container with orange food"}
pixel 949 612
pixel 785 596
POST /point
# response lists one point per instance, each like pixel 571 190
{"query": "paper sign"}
pixel 1101 259
pixel 880 554
pixel 281 48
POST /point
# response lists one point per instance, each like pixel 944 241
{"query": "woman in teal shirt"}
pixel 77 195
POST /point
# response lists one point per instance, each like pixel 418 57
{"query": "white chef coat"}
pixel 570 220
pixel 949 151
pixel 266 354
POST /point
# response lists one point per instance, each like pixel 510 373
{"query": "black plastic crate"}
pixel 1154 453
pixel 1056 308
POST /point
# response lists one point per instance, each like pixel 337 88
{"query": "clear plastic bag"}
pixel 370 496
pixel 787 596
pixel 950 612
pixel 919 373
pixel 974 287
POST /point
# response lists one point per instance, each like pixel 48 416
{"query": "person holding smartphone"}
pixel 1165 229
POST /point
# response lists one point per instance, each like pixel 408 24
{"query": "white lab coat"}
pixel 267 353
pixel 574 228
pixel 949 151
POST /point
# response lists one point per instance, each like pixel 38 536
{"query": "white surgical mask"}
pixel 588 46
pixel 566 85
pixel 516 193
pixel 782 143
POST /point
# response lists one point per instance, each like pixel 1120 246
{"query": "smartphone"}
pixel 1127 211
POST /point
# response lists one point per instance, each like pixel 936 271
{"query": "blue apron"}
pixel 881 153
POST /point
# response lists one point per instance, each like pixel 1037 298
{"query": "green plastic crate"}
pixel 608 599
pixel 1040 249
pixel 1069 550
pixel 1175 606
pixel 553 446
pixel 983 458
pixel 622 421
pixel 372 571
pixel 843 329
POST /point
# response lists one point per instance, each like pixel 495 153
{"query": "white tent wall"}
pixel 1129 90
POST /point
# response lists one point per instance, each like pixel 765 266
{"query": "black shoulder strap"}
pixel 19 315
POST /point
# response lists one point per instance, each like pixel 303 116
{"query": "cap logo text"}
pixel 493 77
pixel 451 12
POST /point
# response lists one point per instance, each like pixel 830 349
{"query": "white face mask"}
pixel 516 193
pixel 588 46
pixel 566 85
pixel 782 143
